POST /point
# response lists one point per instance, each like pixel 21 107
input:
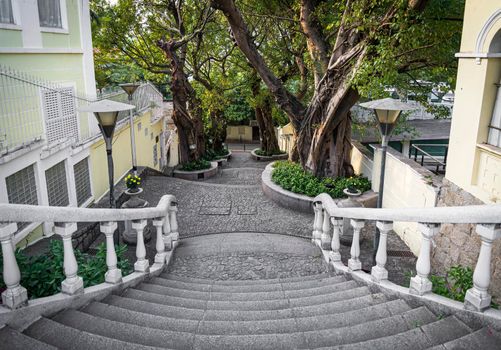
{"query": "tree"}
pixel 363 45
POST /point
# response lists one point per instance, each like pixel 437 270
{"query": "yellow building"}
pixel 474 162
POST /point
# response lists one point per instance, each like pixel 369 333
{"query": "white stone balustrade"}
pixel 354 262
pixel 420 284
pixel 477 298
pixel 173 224
pixel 325 238
pixel 73 284
pixel 317 223
pixel 114 274
pixel 142 264
pixel 160 244
pixel 15 295
pixel 379 272
pixel 337 224
pixel 167 232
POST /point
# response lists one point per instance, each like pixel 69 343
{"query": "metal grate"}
pixel 60 114
pixel 155 155
pixel 57 187
pixel 22 189
pixel 82 181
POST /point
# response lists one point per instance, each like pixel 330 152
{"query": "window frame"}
pixel 497 126
pixel 64 20
pixel 17 18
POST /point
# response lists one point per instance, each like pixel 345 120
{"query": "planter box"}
pixel 198 174
pixel 268 158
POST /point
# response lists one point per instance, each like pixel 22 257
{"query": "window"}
pixel 49 13
pixel 494 137
pixel 82 181
pixel 60 114
pixel 6 12
pixel 57 187
pixel 155 155
pixel 22 189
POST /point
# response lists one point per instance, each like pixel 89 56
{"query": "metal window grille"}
pixel 82 181
pixel 494 137
pixel 57 187
pixel 22 189
pixel 60 114
pixel 155 155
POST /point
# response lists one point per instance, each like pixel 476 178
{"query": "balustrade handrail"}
pixel 38 213
pixel 471 214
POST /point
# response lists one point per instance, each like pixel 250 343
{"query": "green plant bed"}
pixel 196 165
pixel 214 155
pixel 291 177
pixel 42 275
pixel 268 154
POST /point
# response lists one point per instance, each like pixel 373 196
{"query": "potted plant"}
pixel 352 191
pixel 132 183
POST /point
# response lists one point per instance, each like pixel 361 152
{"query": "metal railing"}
pixel 435 162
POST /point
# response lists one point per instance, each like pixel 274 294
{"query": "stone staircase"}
pixel 320 311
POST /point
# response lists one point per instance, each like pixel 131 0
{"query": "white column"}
pixel 318 223
pixel 315 222
pixel 335 255
pixel 160 244
pixel 142 264
pixel 325 238
pixel 354 263
pixel 15 295
pixel 477 298
pixel 173 223
pixel 73 284
pixel 114 274
pixel 420 284
pixel 379 271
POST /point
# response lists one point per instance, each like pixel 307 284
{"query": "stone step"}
pixel 124 331
pixel 230 315
pixel 178 278
pixel 284 325
pixel 13 340
pixel 145 293
pixel 261 287
pixel 212 295
pixel 484 338
pixel 65 337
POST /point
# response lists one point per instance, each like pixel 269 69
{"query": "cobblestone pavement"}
pixel 246 256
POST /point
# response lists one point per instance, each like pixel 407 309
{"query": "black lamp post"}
pixel 130 88
pixel 387 111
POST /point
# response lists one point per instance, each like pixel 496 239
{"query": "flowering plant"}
pixel 132 181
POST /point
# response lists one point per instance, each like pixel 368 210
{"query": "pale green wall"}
pixel 11 38
pixel 70 40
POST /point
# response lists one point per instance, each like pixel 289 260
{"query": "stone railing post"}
pixel 317 223
pixel 420 284
pixel 354 263
pixel 142 264
pixel 173 224
pixel 379 271
pixel 325 238
pixel 73 284
pixel 477 297
pixel 337 223
pixel 114 274
pixel 15 295
pixel 160 244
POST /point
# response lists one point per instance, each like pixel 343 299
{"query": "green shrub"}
pixel 291 177
pixel 42 275
pixel 200 164
pixel 211 154
pixel 262 153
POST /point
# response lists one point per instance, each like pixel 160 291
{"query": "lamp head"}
pixel 129 88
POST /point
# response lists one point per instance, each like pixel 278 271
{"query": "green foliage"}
pixel 211 154
pixel 42 275
pixel 260 152
pixel 200 164
pixel 132 181
pixel 291 177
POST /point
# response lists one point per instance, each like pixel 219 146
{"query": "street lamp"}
pixel 130 88
pixel 106 113
pixel 387 111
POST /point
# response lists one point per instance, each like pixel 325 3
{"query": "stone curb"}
pixel 197 175
pixel 284 198
pixel 268 158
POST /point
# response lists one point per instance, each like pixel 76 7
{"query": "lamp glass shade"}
pixel 386 116
pixel 129 88
pixel 106 118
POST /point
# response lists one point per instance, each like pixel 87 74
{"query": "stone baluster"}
pixel 173 224
pixel 477 297
pixel 160 245
pixel 167 232
pixel 15 295
pixel 318 223
pixel 354 263
pixel 325 237
pixel 114 274
pixel 379 272
pixel 337 223
pixel 142 264
pixel 420 284
pixel 73 284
